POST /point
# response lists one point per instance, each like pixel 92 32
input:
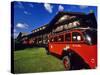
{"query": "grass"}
pixel 35 60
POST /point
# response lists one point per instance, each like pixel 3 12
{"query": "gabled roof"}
pixel 52 22
pixel 22 34
pixel 60 14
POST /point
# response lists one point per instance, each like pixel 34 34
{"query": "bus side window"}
pixel 55 39
pixel 61 38
pixel 68 37
pixel 76 37
pixel 51 39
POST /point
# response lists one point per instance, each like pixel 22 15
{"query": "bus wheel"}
pixel 66 62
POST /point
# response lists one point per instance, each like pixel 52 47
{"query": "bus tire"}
pixel 66 62
pixel 75 61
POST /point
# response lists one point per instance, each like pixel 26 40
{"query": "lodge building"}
pixel 62 21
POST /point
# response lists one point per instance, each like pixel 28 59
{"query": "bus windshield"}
pixel 91 37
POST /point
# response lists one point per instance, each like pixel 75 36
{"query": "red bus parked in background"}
pixel 77 47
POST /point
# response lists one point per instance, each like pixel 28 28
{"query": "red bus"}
pixel 77 48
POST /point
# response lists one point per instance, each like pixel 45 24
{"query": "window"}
pixel 61 38
pixel 59 28
pixel 43 27
pixel 33 31
pixel 55 39
pixel 76 23
pixel 51 39
pixel 64 17
pixel 77 37
pixel 67 37
pixel 37 29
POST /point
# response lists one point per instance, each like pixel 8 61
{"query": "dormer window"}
pixel 43 27
pixel 40 28
pixel 64 17
pixel 76 23
pixel 37 29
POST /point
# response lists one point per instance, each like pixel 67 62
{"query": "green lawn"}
pixel 35 60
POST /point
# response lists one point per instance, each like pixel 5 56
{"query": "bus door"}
pixel 77 41
pixel 67 41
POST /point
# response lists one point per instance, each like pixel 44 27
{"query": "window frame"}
pixel 69 36
pixel 82 41
pixel 61 38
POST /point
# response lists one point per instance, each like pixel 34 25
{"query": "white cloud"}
pixel 22 25
pixel 60 8
pixel 83 7
pixel 27 13
pixel 48 7
pixel 20 5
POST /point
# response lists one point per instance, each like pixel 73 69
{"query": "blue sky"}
pixel 29 15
